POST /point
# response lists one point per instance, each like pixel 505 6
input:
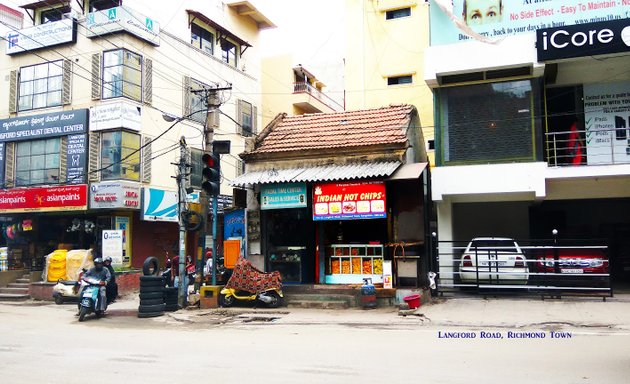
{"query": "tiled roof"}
pixel 336 130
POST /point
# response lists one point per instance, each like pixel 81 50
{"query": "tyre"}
pixel 82 313
pixel 171 300
pixel 151 308
pixel 150 266
pixel 151 301
pixel 226 301
pixel 99 314
pixel 171 307
pixel 149 295
pixel 276 300
pixel 58 300
pixel 143 315
pixel 151 284
pixel 151 278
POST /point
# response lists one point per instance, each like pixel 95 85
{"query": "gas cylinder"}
pixel 368 294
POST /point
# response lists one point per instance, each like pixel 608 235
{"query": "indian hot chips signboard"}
pixel 349 201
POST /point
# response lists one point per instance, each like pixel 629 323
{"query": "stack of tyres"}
pixel 170 299
pixel 151 290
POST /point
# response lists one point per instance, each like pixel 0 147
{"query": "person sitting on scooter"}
pixel 112 287
pixel 99 272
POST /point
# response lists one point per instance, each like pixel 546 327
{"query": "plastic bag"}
pixel 432 276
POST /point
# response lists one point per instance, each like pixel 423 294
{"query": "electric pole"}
pixel 181 196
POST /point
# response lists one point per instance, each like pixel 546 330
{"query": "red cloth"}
pixel 246 277
pixel 575 146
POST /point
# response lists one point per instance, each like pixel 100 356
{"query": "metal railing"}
pixel 304 87
pixel 592 147
pixel 550 270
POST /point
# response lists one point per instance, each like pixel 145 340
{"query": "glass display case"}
pixel 287 261
pixel 351 263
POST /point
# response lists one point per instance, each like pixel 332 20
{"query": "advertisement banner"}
pixel 40 36
pixel 44 199
pixel 76 155
pixel 159 205
pixel 113 246
pixel 122 223
pixel 123 19
pixel 234 224
pixel 348 201
pixel 116 115
pixel 114 194
pixel 496 19
pixel 607 120
pixel 279 196
pixel 44 126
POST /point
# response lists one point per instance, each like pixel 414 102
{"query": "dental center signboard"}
pixel 349 201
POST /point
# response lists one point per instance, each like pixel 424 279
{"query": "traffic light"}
pixel 211 173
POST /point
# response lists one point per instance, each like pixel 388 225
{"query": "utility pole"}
pixel 181 196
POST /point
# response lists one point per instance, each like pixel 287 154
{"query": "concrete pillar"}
pixel 447 253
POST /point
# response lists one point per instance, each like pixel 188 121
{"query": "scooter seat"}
pixel 67 282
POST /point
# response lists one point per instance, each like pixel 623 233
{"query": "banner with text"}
pixel 68 198
pixel 279 196
pixel 44 126
pixel 348 201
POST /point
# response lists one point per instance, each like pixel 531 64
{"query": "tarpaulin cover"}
pixel 246 277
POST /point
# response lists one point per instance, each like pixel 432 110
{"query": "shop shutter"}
pixel 186 96
pixel 239 116
pixel 254 119
pixel 93 156
pixel 63 160
pixel 13 87
pixel 67 82
pixel 9 171
pixel 96 76
pixel 147 153
pixel 148 81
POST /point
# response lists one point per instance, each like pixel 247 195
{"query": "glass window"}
pixel 55 14
pixel 202 38
pixel 40 85
pixel 99 5
pixel 197 101
pixel 486 123
pixel 247 114
pixel 37 162
pixel 120 155
pixel 397 13
pixel 399 80
pixel 122 74
pixel 228 52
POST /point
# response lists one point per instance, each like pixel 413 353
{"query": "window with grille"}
pixel 120 155
pixel 197 101
pixel 229 52
pixel 37 162
pixel 202 38
pixel 122 74
pixel 40 86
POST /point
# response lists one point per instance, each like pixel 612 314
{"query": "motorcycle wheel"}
pixel 276 300
pixel 99 314
pixel 58 300
pixel 82 313
pixel 226 301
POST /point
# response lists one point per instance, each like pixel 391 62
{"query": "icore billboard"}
pixel 491 20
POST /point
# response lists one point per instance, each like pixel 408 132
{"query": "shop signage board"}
pixel 234 224
pixel 44 126
pixel 114 194
pixel 159 205
pixel 581 40
pixel 123 19
pixel 519 17
pixel 44 199
pixel 349 201
pixel 41 36
pixel 280 196
pixel 223 202
pixel 122 223
pixel 76 151
pixel 607 122
pixel 113 246
pixel 116 115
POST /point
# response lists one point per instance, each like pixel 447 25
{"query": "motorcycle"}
pixel 90 298
pixel 250 284
pixel 66 290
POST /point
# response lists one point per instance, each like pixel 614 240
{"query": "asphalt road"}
pixel 46 344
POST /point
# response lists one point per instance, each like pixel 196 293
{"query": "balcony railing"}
pixel 304 87
pixel 594 147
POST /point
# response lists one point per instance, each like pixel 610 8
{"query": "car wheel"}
pixel 171 307
pixel 151 284
pixel 150 266
pixel 151 308
pixel 150 314
pixel 151 278
pixel 149 295
pixel 151 301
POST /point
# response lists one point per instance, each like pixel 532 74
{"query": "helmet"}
pixel 107 258
pixel 98 264
pixel 98 260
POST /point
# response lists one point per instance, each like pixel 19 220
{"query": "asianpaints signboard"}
pixel 349 201
pixel 68 198
pixel 455 21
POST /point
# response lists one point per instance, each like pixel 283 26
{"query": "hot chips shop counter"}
pixel 351 263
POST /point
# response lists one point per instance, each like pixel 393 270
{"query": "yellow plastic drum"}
pixel 57 265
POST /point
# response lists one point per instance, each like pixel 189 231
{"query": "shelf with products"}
pixel 288 261
pixel 351 263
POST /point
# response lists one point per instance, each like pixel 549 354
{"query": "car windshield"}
pixel 502 245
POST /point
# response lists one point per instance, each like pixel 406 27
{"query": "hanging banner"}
pixel 348 201
pixel 115 194
pixel 113 246
pixel 66 198
pixel 234 224
pixel 122 223
pixel 76 155
pixel 280 196
pixel 159 205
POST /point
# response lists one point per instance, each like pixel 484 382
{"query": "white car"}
pixel 493 260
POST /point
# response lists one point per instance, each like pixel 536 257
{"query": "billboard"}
pixel 349 201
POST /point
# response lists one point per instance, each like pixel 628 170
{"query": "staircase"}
pixel 16 291
pixel 320 296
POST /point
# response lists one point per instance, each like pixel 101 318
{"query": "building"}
pixel 332 197
pixel 532 111
pixel 88 86
pixel 384 61
pixel 291 88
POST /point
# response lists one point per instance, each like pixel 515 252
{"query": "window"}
pixel 246 118
pixel 197 101
pixel 122 74
pixel 120 155
pixel 397 13
pixel 99 5
pixel 228 52
pixel 196 178
pixel 51 15
pixel 397 80
pixel 37 162
pixel 41 85
pixel 202 38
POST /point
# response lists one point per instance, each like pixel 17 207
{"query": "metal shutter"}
pixel 93 156
pixel 96 76
pixel 146 159
pixel 67 82
pixel 148 81
pixel 13 88
pixel 9 171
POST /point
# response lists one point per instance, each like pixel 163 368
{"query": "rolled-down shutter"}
pixel 147 153
pixel 96 76
pixel 148 81
pixel 9 170
pixel 67 82
pixel 93 156
pixel 13 86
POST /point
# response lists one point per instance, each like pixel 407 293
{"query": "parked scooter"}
pixel 249 284
pixel 90 298
pixel 66 291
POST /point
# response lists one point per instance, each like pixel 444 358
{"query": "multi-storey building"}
pixel 87 87
pixel 532 116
